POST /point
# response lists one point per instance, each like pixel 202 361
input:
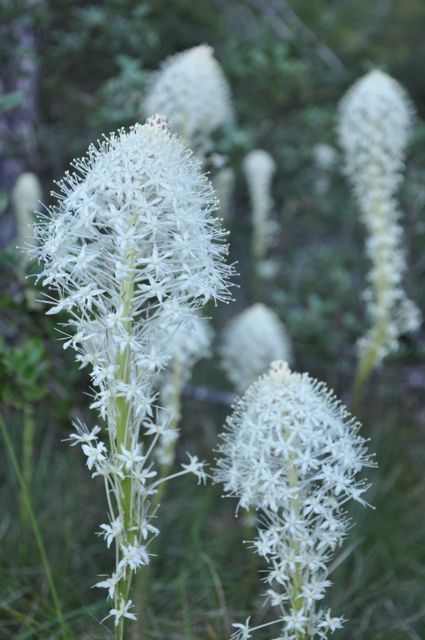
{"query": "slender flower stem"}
pixel 297 582
pixel 66 635
pixel 27 454
pixel 382 285
pixel 123 440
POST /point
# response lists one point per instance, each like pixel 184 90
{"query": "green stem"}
pixel 123 439
pixel 66 635
pixel 378 335
pixel 27 454
pixel 297 581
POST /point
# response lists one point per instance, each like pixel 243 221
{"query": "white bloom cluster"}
pixel 192 92
pixel 26 195
pixel 374 127
pixel 259 168
pixel 250 342
pixel 190 344
pixel 292 451
pixel 132 248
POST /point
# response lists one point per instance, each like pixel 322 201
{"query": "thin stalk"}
pixel 382 288
pixel 123 439
pixel 297 582
pixel 66 635
pixel 27 455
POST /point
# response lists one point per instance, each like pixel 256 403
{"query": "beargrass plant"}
pixel 26 195
pixel 250 342
pixel 374 127
pixel 191 90
pixel 293 452
pixel 130 251
pixel 259 168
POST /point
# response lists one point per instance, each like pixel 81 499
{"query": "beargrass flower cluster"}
pixel 26 195
pixel 192 92
pixel 259 168
pixel 374 127
pixel 250 342
pixel 130 251
pixel 293 452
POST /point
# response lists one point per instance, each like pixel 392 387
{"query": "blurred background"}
pixel 72 70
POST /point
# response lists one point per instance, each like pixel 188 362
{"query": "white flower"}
pixel 292 451
pixel 250 342
pixel 133 556
pixel 83 435
pixel 243 631
pixel 110 584
pixel 197 467
pixel 329 623
pixel 95 454
pixel 131 458
pixel 259 168
pixel 146 529
pixel 192 92
pixel 110 532
pixel 374 128
pixel 122 612
pixel 296 621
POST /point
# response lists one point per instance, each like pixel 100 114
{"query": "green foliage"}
pixel 22 373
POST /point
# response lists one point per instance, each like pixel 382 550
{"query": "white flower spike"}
pixel 132 249
pixel 374 128
pixel 259 168
pixel 293 452
pixel 192 92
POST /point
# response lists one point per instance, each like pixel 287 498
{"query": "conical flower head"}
pixel 133 245
pixel 374 128
pixel 292 451
pixel 285 421
pixel 250 342
pixel 192 91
